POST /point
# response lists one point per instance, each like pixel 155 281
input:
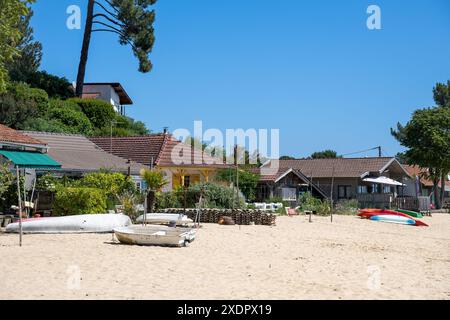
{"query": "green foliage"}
pixel 441 94
pixel 112 183
pixel 214 196
pixel 287 158
pixel 247 181
pixel 10 195
pixel 20 103
pixel 75 201
pixel 29 58
pixel 72 121
pixel 326 154
pixel 123 127
pixel 347 207
pixel 48 182
pixel 11 13
pixel 168 200
pixel 100 113
pixel 129 201
pixel 154 179
pixel 56 87
pixel 427 137
pixel 309 203
pixel 136 28
pixel 6 179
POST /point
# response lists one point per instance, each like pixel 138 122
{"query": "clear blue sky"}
pixel 310 68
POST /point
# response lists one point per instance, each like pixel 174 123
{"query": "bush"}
pixel 20 103
pixel 72 121
pixel 100 113
pixel 113 184
pixel 75 201
pixel 347 207
pixel 167 200
pixel 247 181
pixel 214 196
pixel 309 203
pixel 55 86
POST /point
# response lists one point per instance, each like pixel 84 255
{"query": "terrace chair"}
pixel 291 212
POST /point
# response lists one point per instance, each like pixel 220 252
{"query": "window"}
pixel 387 189
pixel 362 189
pixel 344 192
pixel 289 194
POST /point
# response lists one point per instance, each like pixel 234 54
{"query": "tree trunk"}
pixel 150 201
pixel 442 188
pixel 437 197
pixel 85 49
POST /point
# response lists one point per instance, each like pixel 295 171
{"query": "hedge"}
pixel 75 201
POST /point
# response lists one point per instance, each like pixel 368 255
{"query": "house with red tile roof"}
pixel 181 163
pixel 13 139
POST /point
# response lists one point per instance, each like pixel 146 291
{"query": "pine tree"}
pixel 131 20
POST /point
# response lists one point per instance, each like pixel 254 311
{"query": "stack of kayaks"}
pixel 392 216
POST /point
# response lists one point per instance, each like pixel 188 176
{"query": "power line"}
pixel 375 148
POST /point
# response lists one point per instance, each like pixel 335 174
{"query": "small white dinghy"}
pixel 155 235
pixel 164 218
pixel 89 223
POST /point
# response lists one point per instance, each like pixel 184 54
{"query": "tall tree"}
pixel 441 94
pixel 427 137
pixel 11 12
pixel 131 20
pixel 30 52
pixel 326 154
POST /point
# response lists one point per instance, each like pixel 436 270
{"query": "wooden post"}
pixel 20 205
pixel 331 195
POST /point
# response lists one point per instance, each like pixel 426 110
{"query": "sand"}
pixel 348 259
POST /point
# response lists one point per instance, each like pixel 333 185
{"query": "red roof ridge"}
pixel 163 146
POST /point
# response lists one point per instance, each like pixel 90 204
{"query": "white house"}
pixel 111 92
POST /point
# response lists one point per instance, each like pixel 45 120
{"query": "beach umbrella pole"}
pixel 20 205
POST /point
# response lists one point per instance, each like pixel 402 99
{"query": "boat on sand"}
pixel 155 235
pixel 370 213
pixel 164 218
pixel 88 223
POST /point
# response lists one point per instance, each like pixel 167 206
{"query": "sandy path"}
pixel 349 259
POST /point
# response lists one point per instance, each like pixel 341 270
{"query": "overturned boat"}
pixel 164 218
pixel 155 235
pixel 89 223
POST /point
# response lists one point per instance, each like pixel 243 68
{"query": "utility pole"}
pixel 379 151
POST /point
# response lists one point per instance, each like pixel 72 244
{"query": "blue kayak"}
pixel 394 219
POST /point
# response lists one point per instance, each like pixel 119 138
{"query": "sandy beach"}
pixel 347 259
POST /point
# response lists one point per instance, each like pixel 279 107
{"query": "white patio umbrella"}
pixel 384 180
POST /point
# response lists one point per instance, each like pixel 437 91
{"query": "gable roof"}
pixel 77 153
pixel 343 167
pixel 123 95
pixel 163 149
pixel 416 171
pixel 9 135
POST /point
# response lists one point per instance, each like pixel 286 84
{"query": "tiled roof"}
pixel 163 149
pixel 343 167
pixel 14 136
pixel 141 149
pixel 416 171
pixel 76 152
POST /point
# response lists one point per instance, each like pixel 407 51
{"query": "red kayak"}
pixel 368 213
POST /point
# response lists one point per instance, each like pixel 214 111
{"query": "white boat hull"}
pixel 90 223
pixel 155 236
pixel 164 218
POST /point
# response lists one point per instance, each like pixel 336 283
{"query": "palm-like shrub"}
pixel 155 181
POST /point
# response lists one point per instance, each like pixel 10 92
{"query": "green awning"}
pixel 31 160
